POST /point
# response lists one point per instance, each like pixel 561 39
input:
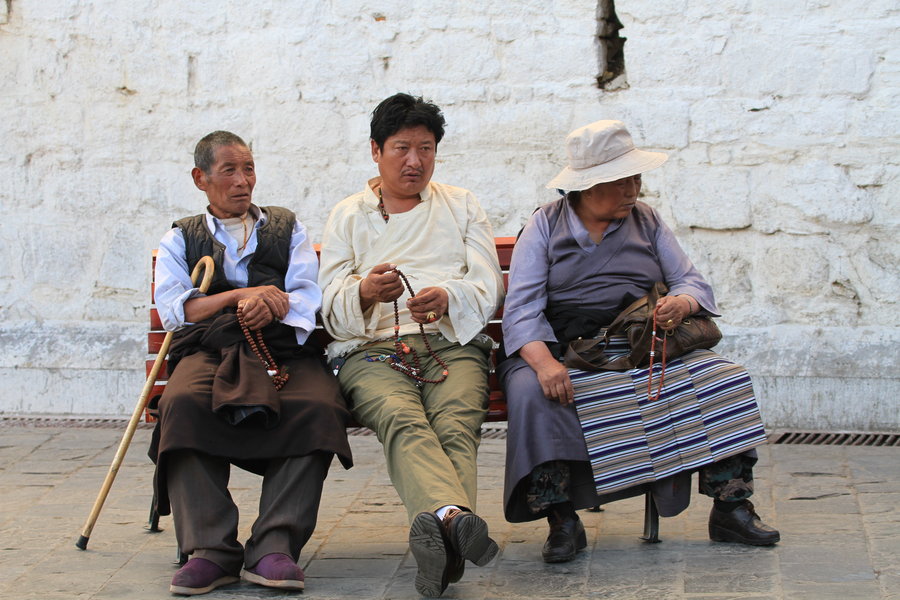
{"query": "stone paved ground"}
pixel 836 507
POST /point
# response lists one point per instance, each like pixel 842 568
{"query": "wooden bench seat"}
pixel 496 404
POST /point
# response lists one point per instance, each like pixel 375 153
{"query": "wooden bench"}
pixel 496 403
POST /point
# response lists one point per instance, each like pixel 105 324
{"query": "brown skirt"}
pixel 312 418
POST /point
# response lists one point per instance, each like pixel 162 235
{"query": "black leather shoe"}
pixel 429 547
pixel 566 537
pixel 742 525
pixel 469 539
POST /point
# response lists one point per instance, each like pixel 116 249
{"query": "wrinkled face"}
pixel 229 185
pixel 614 199
pixel 406 162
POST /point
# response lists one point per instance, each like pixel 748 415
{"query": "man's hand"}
pixel 382 284
pixel 261 305
pixel 429 305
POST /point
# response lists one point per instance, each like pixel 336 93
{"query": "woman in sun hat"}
pixel 579 261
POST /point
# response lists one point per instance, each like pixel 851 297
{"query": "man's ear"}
pixel 376 151
pixel 199 178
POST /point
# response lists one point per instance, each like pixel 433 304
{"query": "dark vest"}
pixel 269 263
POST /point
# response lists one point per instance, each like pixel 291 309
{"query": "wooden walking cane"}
pixel 207 266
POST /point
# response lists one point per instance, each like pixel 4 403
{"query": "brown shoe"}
pixel 468 535
pixel 741 525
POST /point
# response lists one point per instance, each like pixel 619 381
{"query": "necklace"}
pixel 246 236
pixel 398 361
pixel 384 214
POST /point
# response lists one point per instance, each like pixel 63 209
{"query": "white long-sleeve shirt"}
pixel 445 241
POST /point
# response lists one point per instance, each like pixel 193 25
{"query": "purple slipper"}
pixel 277 571
pixel 199 576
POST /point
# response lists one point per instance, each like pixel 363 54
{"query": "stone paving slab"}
pixel 836 507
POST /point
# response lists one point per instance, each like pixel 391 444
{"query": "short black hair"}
pixel 401 111
pixel 205 152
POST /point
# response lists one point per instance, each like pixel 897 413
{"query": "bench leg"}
pixel 651 520
pixel 153 521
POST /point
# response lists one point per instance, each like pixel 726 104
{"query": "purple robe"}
pixel 556 262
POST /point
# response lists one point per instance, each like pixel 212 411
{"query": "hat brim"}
pixel 631 163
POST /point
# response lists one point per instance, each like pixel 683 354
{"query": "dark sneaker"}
pixel 430 549
pixel 199 576
pixel 276 571
pixel 742 525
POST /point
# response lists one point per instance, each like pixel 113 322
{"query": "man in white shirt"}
pixel 423 393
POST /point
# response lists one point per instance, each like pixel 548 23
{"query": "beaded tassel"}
pixel 398 362
pixel 258 345
pixel 662 373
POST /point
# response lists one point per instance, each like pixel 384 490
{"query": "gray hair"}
pixel 205 152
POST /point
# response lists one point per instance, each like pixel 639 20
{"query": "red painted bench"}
pixel 496 403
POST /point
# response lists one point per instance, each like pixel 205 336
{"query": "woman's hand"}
pixel 672 310
pixel 552 374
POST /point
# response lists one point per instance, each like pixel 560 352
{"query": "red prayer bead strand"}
pixel 400 363
pixel 261 350
pixel 662 373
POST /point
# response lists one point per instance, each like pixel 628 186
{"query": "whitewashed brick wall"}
pixel 780 116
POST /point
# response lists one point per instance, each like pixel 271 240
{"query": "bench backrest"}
pixel 497 403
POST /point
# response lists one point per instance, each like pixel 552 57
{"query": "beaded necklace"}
pixel 384 214
pixel 398 361
pixel 258 345
pixel 246 237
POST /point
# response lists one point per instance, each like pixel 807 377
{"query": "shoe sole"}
pixel 469 535
pixel 427 545
pixel 189 591
pixel 283 584
pixel 580 544
pixel 719 534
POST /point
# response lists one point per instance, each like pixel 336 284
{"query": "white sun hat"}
pixel 600 152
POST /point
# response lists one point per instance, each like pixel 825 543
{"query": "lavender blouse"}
pixel 555 261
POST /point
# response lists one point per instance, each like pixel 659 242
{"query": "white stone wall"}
pixel 780 116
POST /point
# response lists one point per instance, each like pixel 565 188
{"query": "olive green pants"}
pixel 430 434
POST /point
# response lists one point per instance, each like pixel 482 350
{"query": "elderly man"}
pixel 244 386
pixel 414 367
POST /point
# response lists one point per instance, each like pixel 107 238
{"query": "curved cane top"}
pixel 209 267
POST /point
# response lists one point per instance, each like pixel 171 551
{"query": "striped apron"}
pixel 706 412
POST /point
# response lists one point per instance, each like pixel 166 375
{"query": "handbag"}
pixel 636 324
